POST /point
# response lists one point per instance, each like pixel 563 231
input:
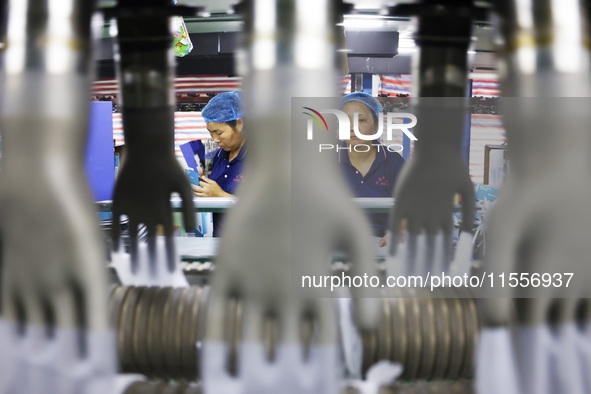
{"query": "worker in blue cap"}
pixel 370 168
pixel 223 115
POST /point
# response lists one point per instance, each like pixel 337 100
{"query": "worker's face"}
pixel 366 124
pixel 225 136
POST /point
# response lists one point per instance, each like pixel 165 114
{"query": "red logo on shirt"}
pixel 237 178
pixel 382 181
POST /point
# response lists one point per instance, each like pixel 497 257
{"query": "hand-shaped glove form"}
pixel 539 232
pixel 291 214
pixel 53 271
pixel 425 191
pixel 539 225
pixel 150 173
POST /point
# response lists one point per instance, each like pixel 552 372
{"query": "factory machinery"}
pixel 64 329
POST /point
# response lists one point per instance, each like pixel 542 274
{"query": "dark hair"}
pixel 232 123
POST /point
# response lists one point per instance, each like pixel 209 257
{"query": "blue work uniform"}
pixel 378 182
pixel 228 175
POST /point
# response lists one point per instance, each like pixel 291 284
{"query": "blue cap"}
pixel 367 99
pixel 224 107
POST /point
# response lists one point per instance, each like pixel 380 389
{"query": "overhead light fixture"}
pixel 113 32
pixel 362 22
pixel 406 45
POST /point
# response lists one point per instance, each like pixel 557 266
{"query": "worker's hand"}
pixel 208 188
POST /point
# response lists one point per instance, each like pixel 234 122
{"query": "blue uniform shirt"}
pixel 378 182
pixel 227 174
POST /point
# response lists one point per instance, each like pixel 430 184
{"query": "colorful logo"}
pixel 315 118
pixel 383 181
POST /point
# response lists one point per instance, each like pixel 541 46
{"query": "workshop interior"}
pixel 295 196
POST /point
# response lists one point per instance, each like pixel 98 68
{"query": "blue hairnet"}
pixel 224 107
pixel 367 99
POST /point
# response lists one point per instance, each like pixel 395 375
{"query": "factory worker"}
pixel 223 116
pixel 370 170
